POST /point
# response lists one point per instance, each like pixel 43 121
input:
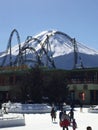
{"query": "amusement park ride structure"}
pixel 45 49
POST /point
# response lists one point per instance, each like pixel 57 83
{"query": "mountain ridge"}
pixel 61 48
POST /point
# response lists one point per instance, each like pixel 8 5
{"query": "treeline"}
pixel 40 85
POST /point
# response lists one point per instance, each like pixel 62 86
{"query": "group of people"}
pixel 66 119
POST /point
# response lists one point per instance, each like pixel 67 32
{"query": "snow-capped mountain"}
pixel 54 49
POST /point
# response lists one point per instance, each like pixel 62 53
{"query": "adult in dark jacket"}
pixel 53 114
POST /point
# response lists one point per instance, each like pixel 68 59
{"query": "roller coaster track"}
pixel 74 47
pixel 44 50
pixel 45 46
pixel 9 47
pixel 37 61
pixel 73 41
pixel 39 55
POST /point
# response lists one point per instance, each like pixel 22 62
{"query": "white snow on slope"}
pixel 86 50
pixel 60 44
pixel 61 48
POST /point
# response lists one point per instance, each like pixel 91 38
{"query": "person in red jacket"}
pixel 65 121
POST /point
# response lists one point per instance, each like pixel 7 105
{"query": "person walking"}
pixel 5 108
pixel 60 114
pixel 53 114
pixel 74 124
pixel 65 121
pixel 71 115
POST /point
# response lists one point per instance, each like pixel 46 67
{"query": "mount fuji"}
pixel 53 48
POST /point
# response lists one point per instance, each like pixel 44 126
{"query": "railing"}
pixel 79 81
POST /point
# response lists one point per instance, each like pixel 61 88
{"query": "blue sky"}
pixel 77 18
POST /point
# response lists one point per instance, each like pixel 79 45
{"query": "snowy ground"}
pixel 43 121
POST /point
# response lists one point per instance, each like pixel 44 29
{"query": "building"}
pixel 82 84
pixel 9 78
